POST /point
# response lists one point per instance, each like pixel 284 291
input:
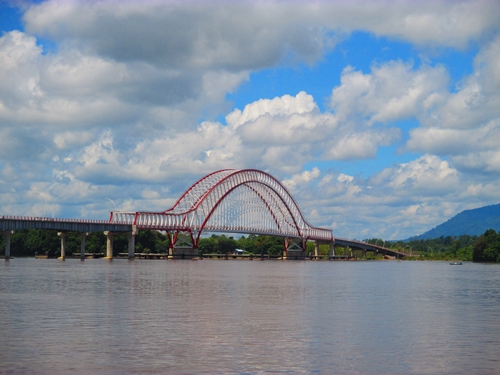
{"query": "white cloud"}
pixel 202 35
pixel 455 141
pixel 391 92
pixel 466 123
pixel 360 145
pixel 284 106
pixel 427 174
pixel 344 178
pixel 300 178
pixel 484 161
pixel 114 110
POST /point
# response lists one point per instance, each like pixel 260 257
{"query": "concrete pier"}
pixel 109 245
pixel 294 254
pixel 131 242
pixel 83 237
pixel 7 234
pixel 182 252
pixel 332 250
pixel 63 236
pixel 131 246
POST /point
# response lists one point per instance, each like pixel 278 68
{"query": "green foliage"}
pixel 441 248
pixel 217 245
pixel 46 242
pixel 487 247
pixel 220 244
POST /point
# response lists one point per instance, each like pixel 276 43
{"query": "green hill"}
pixel 471 222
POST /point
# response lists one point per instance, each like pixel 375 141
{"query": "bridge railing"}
pixel 189 221
pixel 51 219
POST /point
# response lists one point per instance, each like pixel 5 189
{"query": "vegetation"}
pixel 32 241
pixel 485 248
pixel 442 248
pixel 220 244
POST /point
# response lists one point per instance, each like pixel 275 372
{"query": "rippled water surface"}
pixel 234 317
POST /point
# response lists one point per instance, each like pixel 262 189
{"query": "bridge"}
pixel 245 201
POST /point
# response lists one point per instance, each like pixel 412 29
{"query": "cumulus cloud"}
pixel 129 103
pixel 300 178
pixel 413 196
pixel 392 91
pixel 195 35
pixel 278 107
pixel 478 97
pixel 466 123
pixel 427 174
pixel 200 35
pixel 360 145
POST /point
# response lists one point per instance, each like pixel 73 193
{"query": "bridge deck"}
pixel 69 225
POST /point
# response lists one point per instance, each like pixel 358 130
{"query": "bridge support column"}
pixel 131 245
pixel 7 234
pixel 332 250
pixel 63 236
pixel 109 245
pixel 183 252
pixel 182 245
pixel 295 249
pixel 83 237
pixel 316 248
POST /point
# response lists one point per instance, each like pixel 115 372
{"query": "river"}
pixel 248 317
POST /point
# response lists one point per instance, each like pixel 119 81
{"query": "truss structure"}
pixel 240 201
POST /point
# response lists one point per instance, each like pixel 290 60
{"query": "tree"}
pixel 487 247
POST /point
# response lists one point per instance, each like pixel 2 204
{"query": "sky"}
pixel 382 118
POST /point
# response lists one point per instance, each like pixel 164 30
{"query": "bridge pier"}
pixel 295 249
pixel 7 234
pixel 332 250
pixel 131 245
pixel 316 248
pixel 83 237
pixel 63 236
pixel 131 242
pixel 109 245
pixel 182 252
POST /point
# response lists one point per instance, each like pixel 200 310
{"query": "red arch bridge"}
pixel 229 201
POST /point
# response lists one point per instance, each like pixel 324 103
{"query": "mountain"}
pixel 471 222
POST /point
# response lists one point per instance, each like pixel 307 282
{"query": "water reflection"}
pixel 248 317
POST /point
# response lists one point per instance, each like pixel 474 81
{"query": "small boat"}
pixel 456 263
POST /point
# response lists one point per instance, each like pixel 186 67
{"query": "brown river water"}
pixel 248 317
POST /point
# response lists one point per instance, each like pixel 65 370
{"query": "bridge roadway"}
pixel 8 224
pixel 363 246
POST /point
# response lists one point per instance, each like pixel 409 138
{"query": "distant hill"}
pixel 471 222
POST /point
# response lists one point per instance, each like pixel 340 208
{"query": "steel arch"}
pixel 229 200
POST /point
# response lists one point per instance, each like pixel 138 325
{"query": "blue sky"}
pixel 380 117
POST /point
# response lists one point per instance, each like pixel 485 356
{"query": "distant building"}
pixel 238 251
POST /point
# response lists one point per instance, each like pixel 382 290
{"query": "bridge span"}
pixel 367 247
pixel 244 201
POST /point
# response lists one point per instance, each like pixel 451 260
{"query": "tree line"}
pixel 30 242
pixel 484 248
